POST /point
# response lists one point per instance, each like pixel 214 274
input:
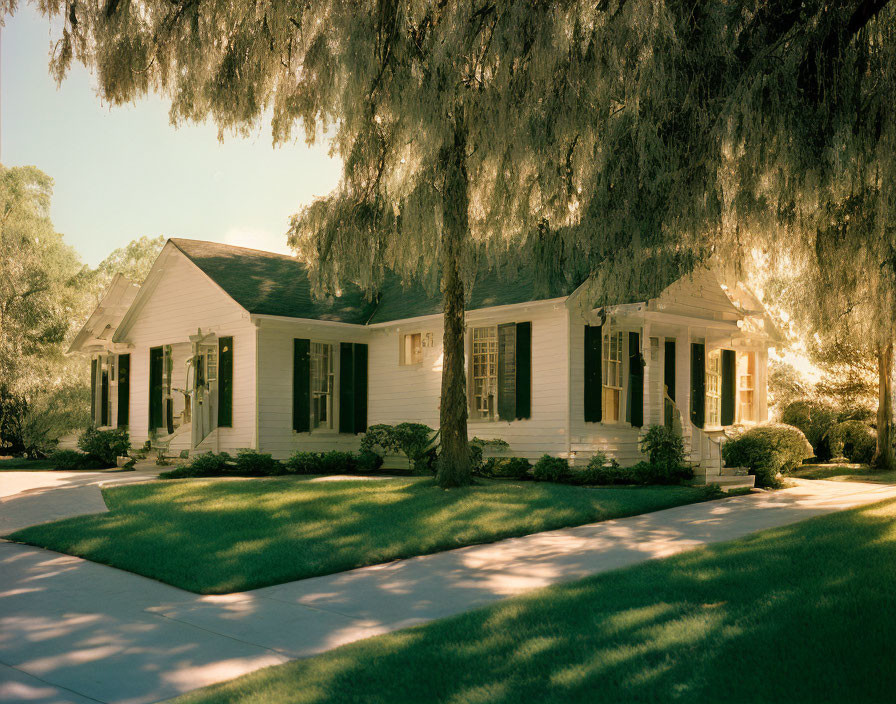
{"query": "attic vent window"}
pixel 411 351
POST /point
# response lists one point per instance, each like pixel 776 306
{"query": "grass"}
pixel 19 464
pixel 216 537
pixel 845 473
pixel 805 613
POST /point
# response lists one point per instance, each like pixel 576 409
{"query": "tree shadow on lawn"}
pixel 232 536
pixel 796 614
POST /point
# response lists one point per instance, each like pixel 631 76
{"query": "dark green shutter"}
pixel 507 371
pixel 360 388
pixel 728 378
pixel 225 382
pixel 593 370
pixel 698 384
pixel 523 370
pixel 346 388
pixel 352 387
pixel 93 391
pixel 155 388
pixel 669 368
pixel 124 389
pixel 635 410
pixel 301 385
pixel 104 398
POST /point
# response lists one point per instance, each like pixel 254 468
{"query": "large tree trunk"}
pixel 454 461
pixel 884 455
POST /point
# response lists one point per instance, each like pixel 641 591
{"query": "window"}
pixel 322 376
pixel 746 385
pixel 714 388
pixel 612 376
pixel 411 351
pixel 485 372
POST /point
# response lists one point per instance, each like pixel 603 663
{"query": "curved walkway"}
pixel 77 631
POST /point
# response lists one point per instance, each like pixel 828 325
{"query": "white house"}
pixel 224 347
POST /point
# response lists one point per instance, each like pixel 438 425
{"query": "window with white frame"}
pixel 746 385
pixel 322 382
pixel 714 388
pixel 485 372
pixel 411 351
pixel 612 375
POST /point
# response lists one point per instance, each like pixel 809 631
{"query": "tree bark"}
pixel 884 456
pixel 454 460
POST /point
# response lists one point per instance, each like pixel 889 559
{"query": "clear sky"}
pixel 125 172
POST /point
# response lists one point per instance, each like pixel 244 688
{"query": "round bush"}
pixel 550 469
pixel 815 419
pixel 767 451
pixel 855 439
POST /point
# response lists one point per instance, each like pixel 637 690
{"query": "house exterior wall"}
pixel 275 386
pixel 399 393
pixel 181 301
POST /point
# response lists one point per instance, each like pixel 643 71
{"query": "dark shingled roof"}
pixel 277 284
pixel 490 288
pixel 272 284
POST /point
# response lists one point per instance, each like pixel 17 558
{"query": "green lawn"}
pixel 223 536
pixel 805 613
pixel 845 473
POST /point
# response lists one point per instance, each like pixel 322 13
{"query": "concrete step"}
pixel 728 482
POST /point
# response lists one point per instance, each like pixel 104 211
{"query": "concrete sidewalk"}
pixel 76 631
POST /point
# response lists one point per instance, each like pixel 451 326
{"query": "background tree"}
pixel 632 136
pixel 133 261
pixel 44 291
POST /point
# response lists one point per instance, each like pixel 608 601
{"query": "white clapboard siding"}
pixel 275 386
pixel 176 304
pixel 400 394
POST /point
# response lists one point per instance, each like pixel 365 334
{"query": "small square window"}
pixel 411 351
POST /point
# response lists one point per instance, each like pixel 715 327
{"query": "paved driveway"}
pixel 28 498
pixel 76 631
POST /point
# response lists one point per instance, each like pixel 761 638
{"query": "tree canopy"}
pixel 628 137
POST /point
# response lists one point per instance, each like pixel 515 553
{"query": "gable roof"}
pixel 104 320
pixel 266 283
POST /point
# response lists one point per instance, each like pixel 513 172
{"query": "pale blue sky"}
pixel 125 172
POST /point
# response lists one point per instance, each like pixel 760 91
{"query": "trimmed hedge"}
pixel 506 468
pixel 72 459
pixel 550 469
pixel 768 451
pixel 250 463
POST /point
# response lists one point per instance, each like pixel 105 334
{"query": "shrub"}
pixel 815 419
pixel 602 471
pixel 105 445
pixel 767 451
pixel 208 464
pixel 72 459
pixel 336 462
pixel 855 440
pixel 550 469
pixel 304 463
pixel 252 463
pixel 506 467
pixel 415 441
pixel 369 461
pixel 664 448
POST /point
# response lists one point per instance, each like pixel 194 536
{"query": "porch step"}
pixel 727 482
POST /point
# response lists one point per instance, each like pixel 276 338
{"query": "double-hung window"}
pixel 485 372
pixel 322 383
pixel 746 385
pixel 612 375
pixel 714 388
pixel 411 351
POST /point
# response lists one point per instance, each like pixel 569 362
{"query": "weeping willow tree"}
pixel 623 138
